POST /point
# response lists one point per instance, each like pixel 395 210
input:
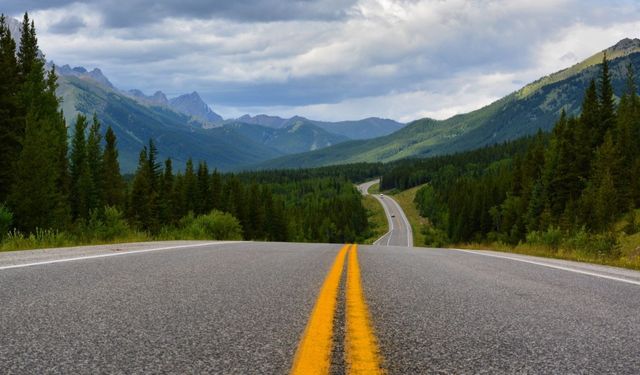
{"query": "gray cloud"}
pixel 68 25
pixel 133 13
pixel 331 57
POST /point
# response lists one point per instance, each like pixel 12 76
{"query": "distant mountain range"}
pixel 185 126
pixel 535 106
pixel 368 128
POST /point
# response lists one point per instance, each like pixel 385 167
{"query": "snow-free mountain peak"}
pixel 193 105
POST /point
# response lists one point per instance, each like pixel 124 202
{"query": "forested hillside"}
pixel 570 186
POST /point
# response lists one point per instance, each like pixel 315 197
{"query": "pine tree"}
pixel 190 192
pixel 80 177
pixel 256 213
pixel 39 196
pixel 113 184
pixel 140 200
pixel 28 59
pixel 600 201
pixel 11 128
pixel 590 117
pixel 625 143
pixel 154 166
pixel 216 191
pixel 204 201
pixel 607 105
pixel 94 163
pixel 168 214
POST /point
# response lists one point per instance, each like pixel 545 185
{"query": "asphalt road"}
pixel 400 232
pixel 242 308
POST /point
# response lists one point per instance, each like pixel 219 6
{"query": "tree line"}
pixel 48 181
pixel 580 178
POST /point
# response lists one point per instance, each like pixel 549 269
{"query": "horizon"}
pixel 486 54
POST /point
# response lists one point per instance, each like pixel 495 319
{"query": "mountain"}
pixel 360 129
pixel 158 98
pixel 193 105
pixel 82 73
pixel 136 117
pixel 292 138
pixel 535 106
pixel 135 123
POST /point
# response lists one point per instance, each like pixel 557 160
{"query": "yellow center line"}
pixel 361 347
pixel 314 351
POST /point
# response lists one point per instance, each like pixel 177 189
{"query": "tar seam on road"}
pixel 553 266
pixel 112 255
pixel 360 342
pixel 315 349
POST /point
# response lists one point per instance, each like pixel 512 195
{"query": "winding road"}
pixel 278 308
pixel 400 232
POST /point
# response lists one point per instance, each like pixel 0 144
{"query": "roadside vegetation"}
pixel 405 199
pixel 569 194
pixel 378 224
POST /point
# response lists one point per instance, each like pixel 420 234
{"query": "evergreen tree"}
pixel 590 117
pixel 140 201
pixel 94 162
pixel 607 105
pixel 113 185
pixel 204 200
pixel 11 128
pixel 39 195
pixel 600 201
pixel 81 183
pixel 154 166
pixel 168 207
pixel 190 188
pixel 28 59
pixel 216 191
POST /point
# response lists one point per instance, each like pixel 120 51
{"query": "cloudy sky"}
pixel 329 59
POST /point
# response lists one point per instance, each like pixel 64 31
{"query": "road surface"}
pixel 400 232
pixel 274 308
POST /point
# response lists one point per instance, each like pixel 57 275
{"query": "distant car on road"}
pixel 393 215
pixel 382 195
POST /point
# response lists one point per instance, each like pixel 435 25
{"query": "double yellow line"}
pixel 314 351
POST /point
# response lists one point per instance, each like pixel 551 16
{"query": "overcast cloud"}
pixel 329 59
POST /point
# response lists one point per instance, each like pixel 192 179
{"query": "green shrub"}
pixel 602 245
pixel 551 238
pixel 434 237
pixel 605 245
pixel 6 220
pixel 113 224
pixel 214 226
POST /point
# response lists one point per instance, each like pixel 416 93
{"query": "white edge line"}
pixel 113 254
pixel 552 266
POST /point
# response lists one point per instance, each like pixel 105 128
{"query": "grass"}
pixel 374 189
pixel 405 200
pixel 625 261
pixel 378 225
pixel 45 239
